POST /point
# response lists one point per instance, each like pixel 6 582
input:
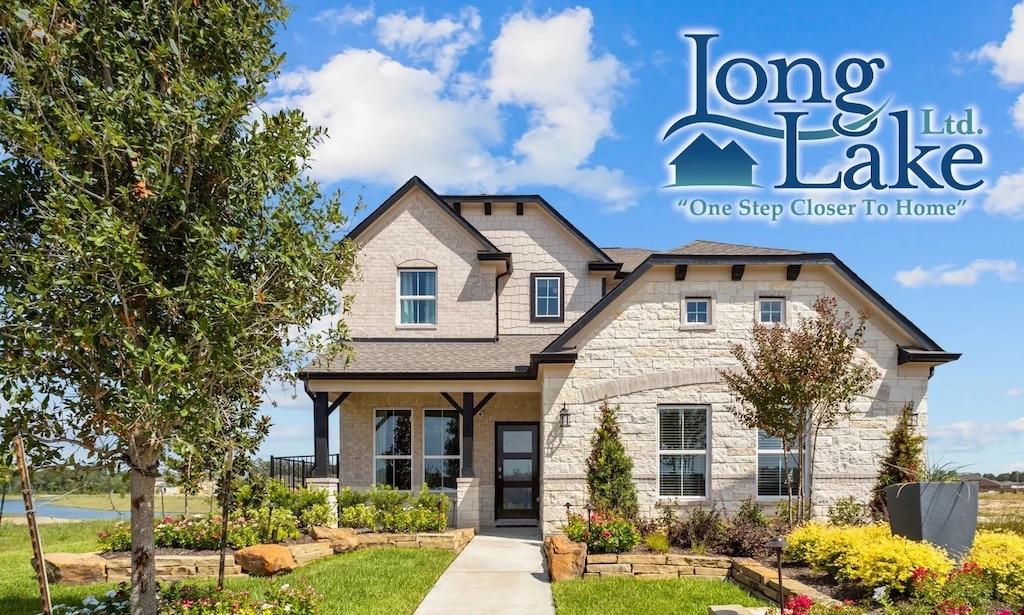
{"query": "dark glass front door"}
pixel 517 475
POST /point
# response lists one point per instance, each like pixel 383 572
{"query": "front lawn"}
pixel 370 582
pixel 615 595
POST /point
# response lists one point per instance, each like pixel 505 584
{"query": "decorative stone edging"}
pixel 85 568
pixel 657 566
pixel 750 574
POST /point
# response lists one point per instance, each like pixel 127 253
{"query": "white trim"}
pixel 423 449
pixel 399 297
pixel 684 298
pixel 706 452
pixel 771 297
pixel 410 456
pixel 535 313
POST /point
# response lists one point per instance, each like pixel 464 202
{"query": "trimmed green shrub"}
pixel 602 534
pixel 387 510
pixel 657 542
pixel 610 469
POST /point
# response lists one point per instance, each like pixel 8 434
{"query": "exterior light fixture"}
pixel 563 416
pixel 777 545
pixel 590 513
pixel 913 414
pixel 568 509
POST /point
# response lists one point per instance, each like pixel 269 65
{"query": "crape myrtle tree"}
pixel 161 250
pixel 793 382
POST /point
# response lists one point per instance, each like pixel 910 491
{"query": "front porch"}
pixel 482 447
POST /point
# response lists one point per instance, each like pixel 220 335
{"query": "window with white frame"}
pixel 776 469
pixel 442 454
pixel 698 311
pixel 546 297
pixel 682 451
pixel 417 296
pixel 392 449
pixel 771 309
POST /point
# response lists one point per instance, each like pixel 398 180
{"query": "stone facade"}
pixel 642 356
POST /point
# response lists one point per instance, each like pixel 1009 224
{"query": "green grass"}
pixel 171 504
pixel 1010 522
pixel 627 596
pixel 371 582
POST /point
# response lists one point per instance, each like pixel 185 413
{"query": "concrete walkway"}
pixel 500 571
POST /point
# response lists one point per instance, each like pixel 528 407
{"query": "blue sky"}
pixel 571 101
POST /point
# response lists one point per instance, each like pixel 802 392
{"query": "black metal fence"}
pixel 293 471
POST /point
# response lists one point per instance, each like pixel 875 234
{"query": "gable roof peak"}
pixel 717 248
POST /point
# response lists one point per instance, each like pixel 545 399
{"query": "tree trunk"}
pixel 143 593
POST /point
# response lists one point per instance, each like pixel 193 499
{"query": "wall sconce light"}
pixel 913 414
pixel 563 416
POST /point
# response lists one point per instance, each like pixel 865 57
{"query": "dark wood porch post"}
pixel 321 432
pixel 467 435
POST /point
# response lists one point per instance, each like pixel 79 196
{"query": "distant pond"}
pixel 14 506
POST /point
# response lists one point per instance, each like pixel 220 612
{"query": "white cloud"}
pixel 973 436
pixel 1007 60
pixel 1013 393
pixel 945 275
pixel 629 37
pixel 1008 57
pixel 442 42
pixel 1007 195
pixel 348 14
pixel 388 120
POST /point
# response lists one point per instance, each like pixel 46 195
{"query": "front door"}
pixel 517 477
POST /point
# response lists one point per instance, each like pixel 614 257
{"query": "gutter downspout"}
pixel 497 281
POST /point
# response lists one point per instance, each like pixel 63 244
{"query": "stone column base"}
pixel 467 503
pixel 330 485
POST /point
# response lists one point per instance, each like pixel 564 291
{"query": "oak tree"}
pixel 161 247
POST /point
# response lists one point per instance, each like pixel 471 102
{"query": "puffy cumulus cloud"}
pixel 1007 60
pixel 410 108
pixel 973 436
pixel 348 14
pixel 1006 197
pixel 945 275
pixel 442 42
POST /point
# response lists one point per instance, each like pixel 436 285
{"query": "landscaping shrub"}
pixel 903 463
pixel 963 590
pixel 602 534
pixel 322 515
pixel 749 531
pixel 847 511
pixel 701 530
pixel 347 498
pixel 176 599
pixel 204 533
pixel 1013 522
pixel 610 469
pixel 657 542
pixel 1001 557
pixel 388 510
pixel 868 556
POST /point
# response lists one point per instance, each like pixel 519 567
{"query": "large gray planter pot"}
pixel 944 514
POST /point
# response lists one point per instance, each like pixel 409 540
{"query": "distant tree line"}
pixel 1012 477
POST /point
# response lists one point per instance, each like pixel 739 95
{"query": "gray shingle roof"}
pixel 511 354
pixel 715 248
pixel 629 257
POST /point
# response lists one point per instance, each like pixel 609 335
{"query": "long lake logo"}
pixel 925 150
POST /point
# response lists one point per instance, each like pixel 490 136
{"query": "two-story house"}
pixel 487 331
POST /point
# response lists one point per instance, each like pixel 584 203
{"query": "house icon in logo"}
pixel 702 163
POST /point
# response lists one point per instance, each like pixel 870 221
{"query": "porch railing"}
pixel 293 471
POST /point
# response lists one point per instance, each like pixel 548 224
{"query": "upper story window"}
pixel 682 451
pixel 698 311
pixel 771 309
pixel 417 296
pixel 547 299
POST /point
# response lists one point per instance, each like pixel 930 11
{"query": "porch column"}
pixel 467 435
pixel 321 447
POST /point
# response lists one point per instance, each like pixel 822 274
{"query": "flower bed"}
pixel 192 600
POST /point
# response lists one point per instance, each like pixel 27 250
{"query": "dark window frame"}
pixel 533 297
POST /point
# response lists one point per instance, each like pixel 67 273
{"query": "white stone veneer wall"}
pixel 641 357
